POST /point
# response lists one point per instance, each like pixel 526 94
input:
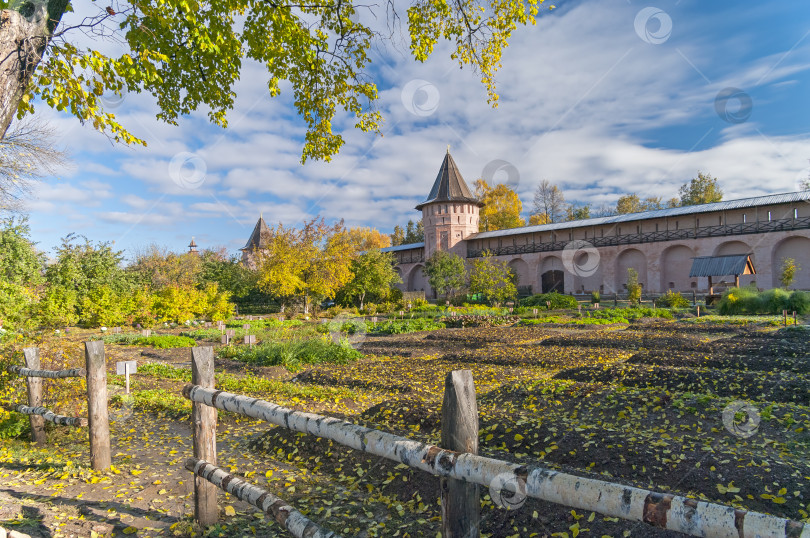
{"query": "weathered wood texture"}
pixel 49 374
pixel 660 510
pixel 34 386
pixel 284 514
pixel 204 426
pixel 24 34
pixel 97 414
pixel 460 500
pixel 50 416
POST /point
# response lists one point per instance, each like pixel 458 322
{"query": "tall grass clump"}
pixel 748 300
pixel 293 354
pixel 557 300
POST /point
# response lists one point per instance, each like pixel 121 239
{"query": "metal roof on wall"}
pixel 803 196
pixel 409 246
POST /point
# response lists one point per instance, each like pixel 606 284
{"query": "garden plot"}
pixel 664 431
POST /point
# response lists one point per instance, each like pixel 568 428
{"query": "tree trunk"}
pixel 24 36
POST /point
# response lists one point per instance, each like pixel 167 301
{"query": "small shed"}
pixel 735 264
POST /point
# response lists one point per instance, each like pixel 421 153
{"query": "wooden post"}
pixel 34 385
pixel 711 287
pixel 97 415
pixel 460 499
pixel 794 318
pixel 204 427
pixel 784 314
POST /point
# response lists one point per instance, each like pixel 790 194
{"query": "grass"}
pixel 250 384
pixel 740 320
pixel 402 326
pixel 162 341
pixel 293 354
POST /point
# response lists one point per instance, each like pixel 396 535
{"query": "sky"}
pixel 601 97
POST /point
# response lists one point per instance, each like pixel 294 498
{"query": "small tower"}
pixel 192 247
pixel 258 241
pixel 450 212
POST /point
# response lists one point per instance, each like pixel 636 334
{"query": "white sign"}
pixel 121 367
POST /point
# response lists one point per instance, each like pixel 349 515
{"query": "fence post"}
pixel 34 385
pixel 204 426
pixel 97 416
pixel 460 499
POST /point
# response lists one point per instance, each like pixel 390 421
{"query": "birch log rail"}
pixel 284 514
pixel 50 416
pixel 661 510
pixel 49 374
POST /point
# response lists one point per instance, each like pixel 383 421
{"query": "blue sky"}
pixel 600 97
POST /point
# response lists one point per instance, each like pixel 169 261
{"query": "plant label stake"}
pixel 596 306
pixel 548 305
pixel 784 313
pixel 246 326
pixel 250 339
pixel 794 317
pixel 579 309
pixel 146 333
pixel 226 339
pixel 698 310
pixel 534 311
pixel 125 368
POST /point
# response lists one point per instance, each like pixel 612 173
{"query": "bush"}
pixel 596 297
pixel 162 341
pixel 747 300
pixel 402 326
pixel 557 300
pixel 458 322
pixel 293 354
pixel 672 299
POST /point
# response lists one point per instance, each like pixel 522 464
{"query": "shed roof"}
pixel 735 264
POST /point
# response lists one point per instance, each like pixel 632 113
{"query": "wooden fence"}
pixel 461 470
pixel 97 413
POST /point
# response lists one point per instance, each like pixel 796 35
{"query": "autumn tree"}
pixel 189 56
pixel 548 201
pixel 27 154
pixel 700 190
pixel 446 273
pixel 502 206
pixel 364 238
pixel 398 237
pixel 631 203
pixel 538 219
pixel 577 212
pixel 633 287
pixel 492 278
pixel 307 263
pixel 787 272
pixel 373 275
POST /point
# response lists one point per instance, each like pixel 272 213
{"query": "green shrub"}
pixel 799 302
pixel 14 425
pixel 672 299
pixel 162 341
pixel 557 300
pixel 402 326
pixel 596 297
pixel 294 353
pixel 747 300
pixel 457 322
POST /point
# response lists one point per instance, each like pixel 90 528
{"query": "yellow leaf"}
pixel 229 511
pixel 130 530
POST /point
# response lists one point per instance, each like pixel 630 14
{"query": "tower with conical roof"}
pixel 259 240
pixel 450 212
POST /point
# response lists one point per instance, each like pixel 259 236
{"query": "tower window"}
pixel 769 216
pixel 795 213
pixel 745 218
